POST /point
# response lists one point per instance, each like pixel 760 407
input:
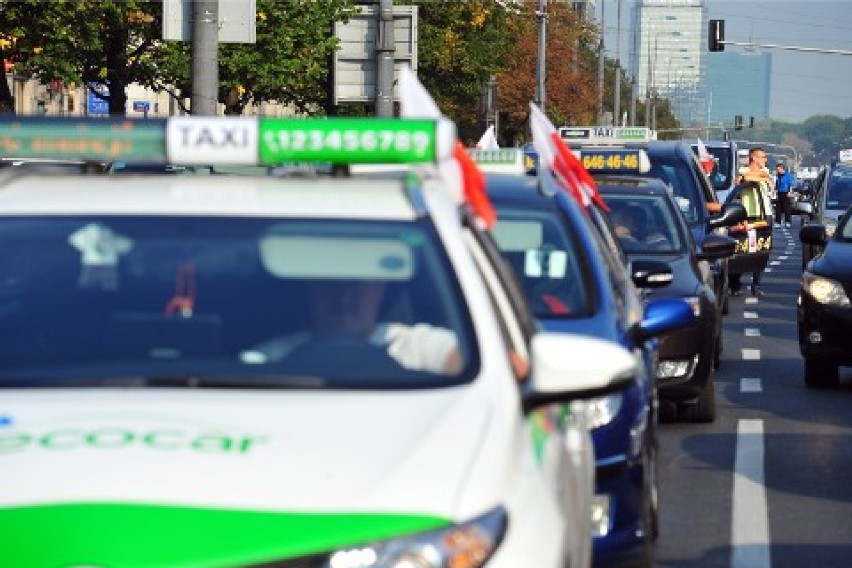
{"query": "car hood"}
pixel 111 477
pixel 836 261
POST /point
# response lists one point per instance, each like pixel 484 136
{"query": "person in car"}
pixel 348 311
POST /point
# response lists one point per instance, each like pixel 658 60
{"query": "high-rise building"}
pixel 668 57
pixel 738 84
pixel 586 8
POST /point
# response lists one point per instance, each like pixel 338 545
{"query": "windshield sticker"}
pixel 100 248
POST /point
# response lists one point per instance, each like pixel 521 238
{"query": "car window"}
pixel 845 230
pixel 678 176
pixel 839 189
pixel 166 296
pixel 723 171
pixel 644 223
pixel 544 257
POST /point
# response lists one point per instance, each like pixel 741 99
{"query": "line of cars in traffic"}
pixel 363 370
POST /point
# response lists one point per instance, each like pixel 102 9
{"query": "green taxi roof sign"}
pixel 231 140
pixel 605 135
pixel 500 161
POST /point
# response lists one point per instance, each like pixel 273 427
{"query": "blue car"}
pixel 576 279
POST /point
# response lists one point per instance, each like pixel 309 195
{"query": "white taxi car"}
pixel 302 371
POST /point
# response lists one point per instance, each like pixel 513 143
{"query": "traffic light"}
pixel 738 122
pixel 716 35
pixel 751 122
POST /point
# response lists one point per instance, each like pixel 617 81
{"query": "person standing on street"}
pixel 783 185
pixel 758 172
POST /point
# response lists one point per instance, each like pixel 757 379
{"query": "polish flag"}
pixel 554 155
pixel 705 158
pixel 488 141
pixel 460 174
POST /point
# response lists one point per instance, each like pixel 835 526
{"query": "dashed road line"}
pixel 750 315
pixel 751 300
pixel 752 332
pixel 750 385
pixel 775 263
pixel 751 354
pixel 750 524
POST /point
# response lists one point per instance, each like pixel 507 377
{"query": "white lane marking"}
pixel 750 315
pixel 751 300
pixel 751 354
pixel 750 385
pixel 752 332
pixel 775 263
pixel 767 270
pixel 783 257
pixel 750 524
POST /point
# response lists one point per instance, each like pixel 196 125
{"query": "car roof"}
pixel 205 195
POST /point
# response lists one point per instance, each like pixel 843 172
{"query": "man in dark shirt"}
pixel 783 184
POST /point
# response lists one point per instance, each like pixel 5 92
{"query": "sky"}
pixel 802 84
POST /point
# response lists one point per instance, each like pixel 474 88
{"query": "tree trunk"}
pixel 7 101
pixel 116 59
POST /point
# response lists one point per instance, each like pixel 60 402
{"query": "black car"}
pixel 678 167
pixel 832 195
pixel 824 310
pixel 724 174
pixel 648 220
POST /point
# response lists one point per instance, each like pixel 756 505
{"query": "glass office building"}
pixel 668 57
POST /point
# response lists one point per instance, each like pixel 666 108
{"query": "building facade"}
pixel 738 83
pixel 669 55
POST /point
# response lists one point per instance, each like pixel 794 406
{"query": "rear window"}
pixel 839 189
pixel 545 258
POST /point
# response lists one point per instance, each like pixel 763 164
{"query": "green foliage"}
pixel 461 45
pixel 288 64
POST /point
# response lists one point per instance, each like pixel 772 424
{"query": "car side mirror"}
pixel 663 315
pixel 651 273
pixel 813 234
pixel 804 208
pixel 568 366
pixel 731 214
pixel 716 246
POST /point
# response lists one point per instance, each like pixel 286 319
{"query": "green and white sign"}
pixel 369 140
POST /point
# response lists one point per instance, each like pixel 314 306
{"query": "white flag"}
pixel 415 101
pixel 488 141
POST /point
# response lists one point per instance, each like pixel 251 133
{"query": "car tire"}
pixel 703 409
pixel 717 355
pixel 819 374
pixel 725 307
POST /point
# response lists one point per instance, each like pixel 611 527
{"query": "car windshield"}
pixel 545 259
pixel 229 302
pixel 839 189
pixel 645 224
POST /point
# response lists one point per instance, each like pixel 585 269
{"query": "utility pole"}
pixel 541 16
pixel 205 57
pixel 616 105
pixel 385 51
pixel 601 65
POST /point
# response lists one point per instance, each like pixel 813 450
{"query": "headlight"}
pixel 825 290
pixel 466 545
pixel 830 227
pixel 602 410
pixel 694 303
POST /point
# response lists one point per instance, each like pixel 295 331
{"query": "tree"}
pixel 288 63
pixel 570 88
pixel 113 43
pixel 85 42
pixel 461 45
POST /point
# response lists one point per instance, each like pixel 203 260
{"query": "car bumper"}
pixel 623 481
pixel 695 343
pixel 833 326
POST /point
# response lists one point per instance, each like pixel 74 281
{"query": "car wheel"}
pixel 652 490
pixel 725 304
pixel 703 409
pixel 820 374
